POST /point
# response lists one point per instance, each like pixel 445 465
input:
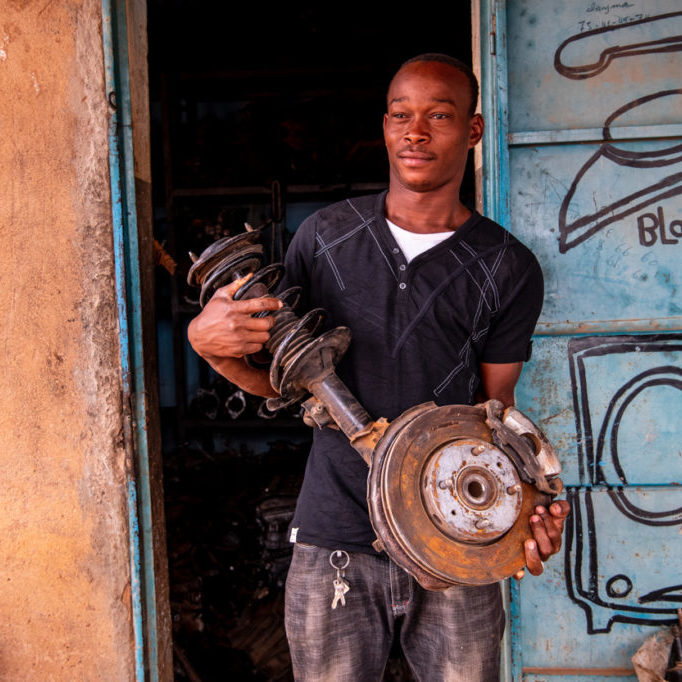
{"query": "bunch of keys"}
pixel 339 560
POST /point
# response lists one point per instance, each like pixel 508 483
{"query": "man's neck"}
pixel 437 211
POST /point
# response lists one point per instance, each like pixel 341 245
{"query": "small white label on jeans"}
pixel 292 536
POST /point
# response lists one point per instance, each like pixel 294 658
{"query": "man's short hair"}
pixel 455 64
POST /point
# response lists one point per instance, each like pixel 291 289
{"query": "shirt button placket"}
pixel 401 267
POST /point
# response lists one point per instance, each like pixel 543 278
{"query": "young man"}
pixel 442 303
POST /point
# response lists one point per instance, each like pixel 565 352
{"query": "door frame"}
pixel 491 164
pixel 128 135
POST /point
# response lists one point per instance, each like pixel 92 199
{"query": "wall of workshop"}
pixel 65 611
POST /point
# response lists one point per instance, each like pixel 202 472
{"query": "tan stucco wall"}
pixel 65 610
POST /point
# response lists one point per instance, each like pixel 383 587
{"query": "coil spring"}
pixel 231 258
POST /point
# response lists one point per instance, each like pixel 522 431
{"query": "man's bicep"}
pixel 499 379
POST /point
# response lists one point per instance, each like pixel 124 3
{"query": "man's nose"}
pixel 417 134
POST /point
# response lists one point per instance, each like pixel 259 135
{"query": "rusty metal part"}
pixel 365 441
pixel 471 490
pixel 525 444
pixel 482 541
pixel 524 427
pixel 450 489
pixel 223 262
pixel 315 414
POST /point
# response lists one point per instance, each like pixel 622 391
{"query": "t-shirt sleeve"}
pixel 509 337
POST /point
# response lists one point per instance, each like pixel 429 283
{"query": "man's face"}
pixel 428 130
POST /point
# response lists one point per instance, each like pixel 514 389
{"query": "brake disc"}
pixel 447 503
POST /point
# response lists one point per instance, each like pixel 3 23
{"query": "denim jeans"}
pixel 452 636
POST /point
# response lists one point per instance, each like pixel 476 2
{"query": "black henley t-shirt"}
pixel 419 332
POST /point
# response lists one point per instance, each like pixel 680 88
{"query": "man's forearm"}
pixel 498 381
pixel 249 379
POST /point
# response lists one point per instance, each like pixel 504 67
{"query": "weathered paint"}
pixel 118 201
pixel 130 178
pixel 127 288
pixel 492 181
pixel 66 606
pixel 594 189
pixel 153 518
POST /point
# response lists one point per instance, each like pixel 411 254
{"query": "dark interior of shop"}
pixel 258 114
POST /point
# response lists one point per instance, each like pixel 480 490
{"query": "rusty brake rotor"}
pixel 447 504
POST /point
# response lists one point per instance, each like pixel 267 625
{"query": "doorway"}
pixel 259 116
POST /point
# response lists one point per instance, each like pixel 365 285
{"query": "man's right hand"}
pixel 224 332
pixel 225 328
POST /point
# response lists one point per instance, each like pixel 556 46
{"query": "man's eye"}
pixel 399 114
pixel 440 117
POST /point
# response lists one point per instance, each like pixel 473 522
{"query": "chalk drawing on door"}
pixel 584 55
pixel 597 196
pixel 622 529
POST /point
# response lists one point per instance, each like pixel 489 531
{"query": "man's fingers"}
pixel 255 337
pixel 545 546
pixel 247 306
pixel 229 290
pixel 519 574
pixel 533 561
pixel 251 348
pixel 560 509
pixel 257 324
pixel 549 531
pixel 554 521
pixel 256 305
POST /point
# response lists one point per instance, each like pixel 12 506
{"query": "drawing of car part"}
pixel 657 176
pixel 609 572
pixel 623 541
pixel 661 33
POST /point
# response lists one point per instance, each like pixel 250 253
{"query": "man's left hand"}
pixel 547 527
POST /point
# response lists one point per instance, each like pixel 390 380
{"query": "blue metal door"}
pixel 585 101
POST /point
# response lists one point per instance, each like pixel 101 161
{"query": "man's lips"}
pixel 415 158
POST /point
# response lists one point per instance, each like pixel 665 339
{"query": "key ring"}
pixel 340 555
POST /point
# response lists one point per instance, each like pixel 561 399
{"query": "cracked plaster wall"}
pixel 65 612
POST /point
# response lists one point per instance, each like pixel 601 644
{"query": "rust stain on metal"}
pixel 419 540
pixel 365 442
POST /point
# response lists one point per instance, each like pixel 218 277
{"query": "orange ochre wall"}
pixel 65 599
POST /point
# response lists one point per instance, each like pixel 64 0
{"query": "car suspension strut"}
pixel 450 488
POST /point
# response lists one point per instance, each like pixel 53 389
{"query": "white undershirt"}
pixel 414 243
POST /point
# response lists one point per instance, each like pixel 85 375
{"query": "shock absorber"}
pixel 302 362
pixel 450 488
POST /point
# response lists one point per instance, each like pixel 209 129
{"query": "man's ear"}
pixel 476 131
